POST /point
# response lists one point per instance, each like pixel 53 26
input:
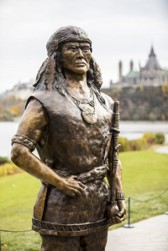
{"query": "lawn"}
pixel 145 180
pixel 18 194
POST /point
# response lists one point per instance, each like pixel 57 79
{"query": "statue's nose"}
pixel 80 52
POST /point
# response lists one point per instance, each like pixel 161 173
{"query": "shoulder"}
pixel 34 115
pixel 108 100
pixel 46 98
pixel 34 120
pixel 33 104
pixel 40 96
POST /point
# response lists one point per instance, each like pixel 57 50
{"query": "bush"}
pixel 153 138
pixel 9 169
pixel 3 160
pixel 149 137
pixel 159 138
pixel 124 144
pixel 143 143
pixel 136 144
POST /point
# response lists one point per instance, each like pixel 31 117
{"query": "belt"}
pixel 48 228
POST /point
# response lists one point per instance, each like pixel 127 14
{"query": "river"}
pixel 129 129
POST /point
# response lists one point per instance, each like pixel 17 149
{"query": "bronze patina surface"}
pixel 70 123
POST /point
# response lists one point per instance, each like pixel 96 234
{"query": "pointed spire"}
pixel 152 53
pixel 152 62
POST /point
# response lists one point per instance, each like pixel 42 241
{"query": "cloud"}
pixel 119 30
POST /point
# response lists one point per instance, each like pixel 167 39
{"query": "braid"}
pixel 50 72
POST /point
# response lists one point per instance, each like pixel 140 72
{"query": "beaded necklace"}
pixel 87 108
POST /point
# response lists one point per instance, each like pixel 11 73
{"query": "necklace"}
pixel 87 109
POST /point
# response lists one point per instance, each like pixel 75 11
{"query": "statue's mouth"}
pixel 80 63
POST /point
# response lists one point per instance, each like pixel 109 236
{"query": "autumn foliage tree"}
pixel 137 103
pixel 10 107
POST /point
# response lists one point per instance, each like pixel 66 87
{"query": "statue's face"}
pixel 76 56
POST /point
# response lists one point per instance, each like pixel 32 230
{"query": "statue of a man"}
pixel 67 119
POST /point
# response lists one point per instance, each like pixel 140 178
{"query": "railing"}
pixel 129 225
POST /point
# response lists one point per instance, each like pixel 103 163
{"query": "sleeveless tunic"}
pixel 71 146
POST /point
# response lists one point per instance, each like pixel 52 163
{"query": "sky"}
pixel 119 29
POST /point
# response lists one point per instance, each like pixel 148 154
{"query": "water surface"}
pixel 129 129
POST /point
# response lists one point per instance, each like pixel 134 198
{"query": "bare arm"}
pixel 119 191
pixel 119 177
pixel 118 182
pixel 119 216
pixel 32 127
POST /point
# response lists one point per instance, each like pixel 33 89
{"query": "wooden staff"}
pixel 113 158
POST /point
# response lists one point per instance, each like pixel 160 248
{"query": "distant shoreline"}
pixel 128 129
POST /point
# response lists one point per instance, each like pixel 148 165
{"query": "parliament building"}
pixel 150 75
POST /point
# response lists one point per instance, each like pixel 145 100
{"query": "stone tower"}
pixel 120 70
pixel 131 66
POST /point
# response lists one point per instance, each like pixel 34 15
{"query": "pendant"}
pixel 89 116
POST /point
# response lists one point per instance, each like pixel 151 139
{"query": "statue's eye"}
pixel 73 48
pixel 85 48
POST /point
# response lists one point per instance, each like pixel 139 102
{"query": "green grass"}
pixel 18 194
pixel 144 179
pixel 144 172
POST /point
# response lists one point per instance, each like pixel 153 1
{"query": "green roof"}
pixel 132 74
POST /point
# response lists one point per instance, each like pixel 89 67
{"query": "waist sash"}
pixel 97 173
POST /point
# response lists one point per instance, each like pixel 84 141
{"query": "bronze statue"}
pixel 69 121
